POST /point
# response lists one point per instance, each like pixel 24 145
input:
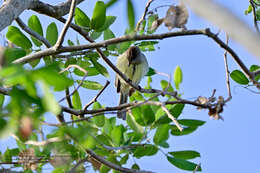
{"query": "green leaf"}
pixel 50 75
pixel 92 71
pixel 124 46
pixel 254 68
pixel 18 38
pixel 117 135
pixel 104 139
pixel 99 119
pixel 70 43
pixel 95 35
pixel 161 134
pixel 151 19
pixel 148 114
pixel 76 101
pixel 104 169
pixel 186 130
pixel 151 72
pixel 109 21
pixel 134 137
pixel 110 3
pixel 182 164
pixel 91 85
pixel 81 18
pixel 176 110
pixel 187 154
pixel 177 77
pixel 3 122
pixel 146 150
pixel 100 68
pixel 135 166
pixel 12 54
pixel 258 15
pixel 239 77
pixel 35 62
pixel 49 102
pixel 134 125
pixel 191 123
pixel 52 33
pixel 249 10
pixel 131 15
pixel 164 85
pixel 147 45
pixel 108 34
pixel 124 159
pixel 2 99
pixel 136 96
pixel 89 142
pixel 35 25
pixel 99 15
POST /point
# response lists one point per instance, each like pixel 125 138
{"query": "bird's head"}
pixel 133 55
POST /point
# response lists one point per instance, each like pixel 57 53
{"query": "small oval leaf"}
pixel 76 101
pixel 161 134
pixel 177 77
pixel 91 85
pixel 35 25
pixel 131 14
pixel 18 38
pixel 239 77
pixel 183 164
pixel 52 33
pixel 99 15
pixel 81 18
pixel 187 154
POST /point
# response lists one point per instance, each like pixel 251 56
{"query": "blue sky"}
pixel 231 145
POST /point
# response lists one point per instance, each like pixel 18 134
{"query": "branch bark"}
pixel 12 9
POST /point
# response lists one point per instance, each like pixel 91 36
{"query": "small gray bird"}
pixel 134 65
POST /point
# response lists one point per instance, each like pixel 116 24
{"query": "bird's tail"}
pixel 123 99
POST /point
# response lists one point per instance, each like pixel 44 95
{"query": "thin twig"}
pixel 134 104
pixel 227 73
pixel 39 143
pixel 197 168
pixel 143 17
pixel 171 117
pixel 254 15
pixel 127 147
pixel 96 97
pixel 68 99
pixel 32 33
pixel 112 165
pixel 74 169
pixel 66 25
pixel 81 82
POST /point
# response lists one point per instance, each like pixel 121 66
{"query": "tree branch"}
pixel 143 17
pixel 96 97
pixel 50 10
pixel 112 165
pixel 254 15
pixel 132 105
pixel 227 73
pixel 66 26
pixel 4 91
pixel 12 9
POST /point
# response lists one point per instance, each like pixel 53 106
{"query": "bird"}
pixel 133 64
